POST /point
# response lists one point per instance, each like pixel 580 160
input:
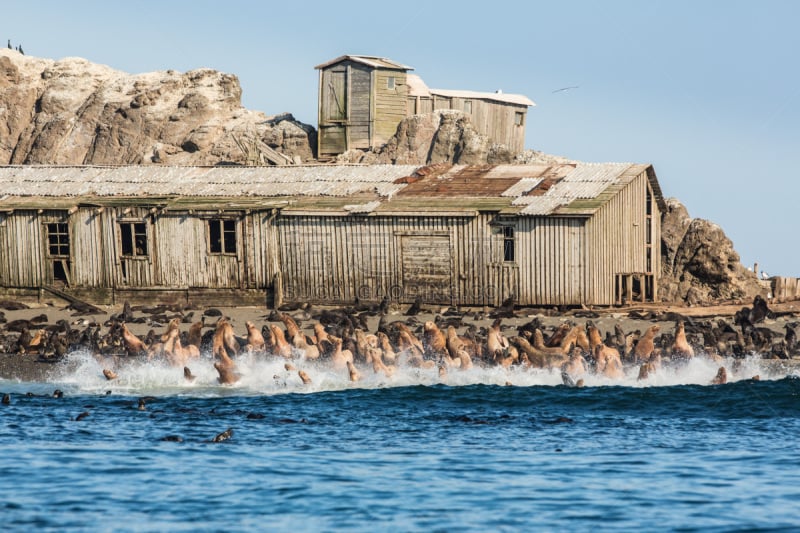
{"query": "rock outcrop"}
pixel 444 136
pixel 699 263
pixel 75 112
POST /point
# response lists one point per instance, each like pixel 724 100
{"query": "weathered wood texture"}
pixel 617 241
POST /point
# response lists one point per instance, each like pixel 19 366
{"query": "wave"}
pixel 82 372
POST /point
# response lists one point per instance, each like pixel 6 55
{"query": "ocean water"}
pixel 477 450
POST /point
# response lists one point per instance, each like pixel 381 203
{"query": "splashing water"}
pixel 261 375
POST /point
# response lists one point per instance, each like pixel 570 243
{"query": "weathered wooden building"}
pixel 362 99
pixel 565 234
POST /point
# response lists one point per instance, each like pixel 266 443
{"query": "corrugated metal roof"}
pixel 338 180
pixel 585 181
pixel 516 99
pixel 371 61
pixel 537 189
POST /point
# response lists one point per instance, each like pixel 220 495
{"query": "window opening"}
pixel 508 244
pixel 134 239
pixel 58 239
pixel 519 118
pixel 390 83
pixel 467 106
pixel 222 236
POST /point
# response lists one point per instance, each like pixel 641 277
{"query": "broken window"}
pixel 134 239
pixel 222 236
pixel 508 244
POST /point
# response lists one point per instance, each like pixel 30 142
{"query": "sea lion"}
pixel 721 378
pixel 645 370
pixel 225 435
pixel 109 374
pixel 304 377
pixel 133 344
pixel 680 346
pixel 354 374
pixel 254 337
pixel 644 348
pixel 227 371
pixel 224 340
pixel 187 374
pixel 433 340
pixel 280 346
pixel 195 336
pixel 608 361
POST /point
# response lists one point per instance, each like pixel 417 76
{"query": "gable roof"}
pixel 568 189
pixel 370 61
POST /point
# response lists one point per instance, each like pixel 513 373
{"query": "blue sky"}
pixel 706 91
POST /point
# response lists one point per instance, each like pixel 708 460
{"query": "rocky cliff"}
pixel 699 263
pixel 76 112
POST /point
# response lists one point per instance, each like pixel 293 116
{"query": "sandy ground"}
pixel 29 368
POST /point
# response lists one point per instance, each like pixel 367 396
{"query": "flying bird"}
pixel 566 88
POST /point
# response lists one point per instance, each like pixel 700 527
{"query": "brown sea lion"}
pixel 644 348
pixel 433 340
pixel 109 374
pixel 680 346
pixel 354 374
pixel 187 374
pixel 133 344
pixel 224 340
pixel 721 378
pixel 254 337
pixel 304 377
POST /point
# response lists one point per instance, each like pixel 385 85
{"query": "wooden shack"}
pixel 562 234
pixel 362 99
pixel 498 115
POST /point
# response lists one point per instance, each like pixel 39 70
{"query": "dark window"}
pixel 508 243
pixel 134 239
pixel 222 236
pixel 58 239
pixel 519 118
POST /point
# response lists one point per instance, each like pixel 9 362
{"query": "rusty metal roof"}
pixel 537 189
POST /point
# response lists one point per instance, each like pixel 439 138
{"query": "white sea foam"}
pixel 266 376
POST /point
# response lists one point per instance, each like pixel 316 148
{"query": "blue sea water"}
pixel 481 450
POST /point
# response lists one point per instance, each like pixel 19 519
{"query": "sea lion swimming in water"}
pixel 354 374
pixel 721 378
pixel 109 374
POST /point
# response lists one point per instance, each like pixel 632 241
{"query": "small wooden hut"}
pixel 362 99
pixel 561 234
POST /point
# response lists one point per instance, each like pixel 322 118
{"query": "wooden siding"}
pixel 337 259
pixel 549 253
pixel 616 241
pixel 359 122
pixel 390 104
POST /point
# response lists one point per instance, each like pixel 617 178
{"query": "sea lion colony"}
pixel 342 339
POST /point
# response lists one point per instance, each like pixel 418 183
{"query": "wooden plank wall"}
pixel 360 101
pixel 616 241
pixel 23 247
pixel 549 252
pixel 90 248
pixel 390 104
pixel 340 258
